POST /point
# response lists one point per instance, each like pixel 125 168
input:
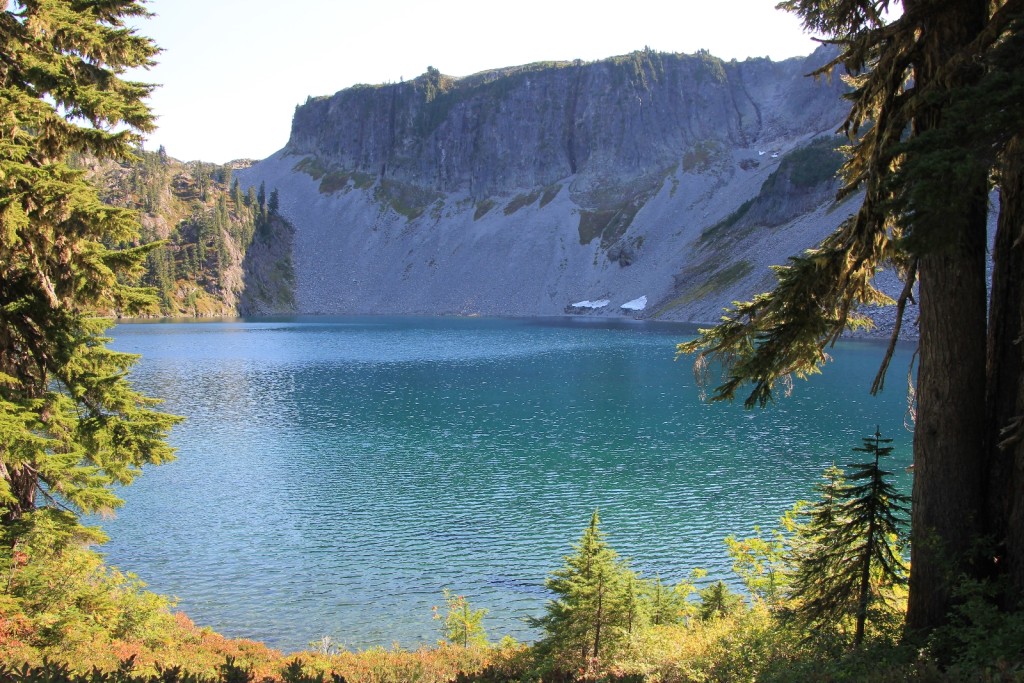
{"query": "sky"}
pixel 232 71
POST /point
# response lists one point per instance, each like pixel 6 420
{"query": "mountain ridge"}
pixel 525 190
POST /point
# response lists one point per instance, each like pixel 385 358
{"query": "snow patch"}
pixel 600 303
pixel 636 304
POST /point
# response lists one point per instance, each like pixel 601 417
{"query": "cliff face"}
pixel 606 124
pixel 525 190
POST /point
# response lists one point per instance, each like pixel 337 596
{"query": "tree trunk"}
pixel 23 483
pixel 949 435
pixel 1005 400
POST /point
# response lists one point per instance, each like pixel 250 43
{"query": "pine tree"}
pixel 849 560
pixel 71 427
pixel 668 604
pixel 590 612
pixel 716 601
pixel 462 624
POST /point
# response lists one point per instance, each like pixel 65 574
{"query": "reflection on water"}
pixel 335 474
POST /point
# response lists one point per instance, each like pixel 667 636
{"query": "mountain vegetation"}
pixel 220 249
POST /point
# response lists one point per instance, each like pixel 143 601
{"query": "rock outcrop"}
pixel 520 191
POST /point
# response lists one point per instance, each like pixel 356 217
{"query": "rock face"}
pixel 520 191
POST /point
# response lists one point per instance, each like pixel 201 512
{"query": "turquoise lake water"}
pixel 334 475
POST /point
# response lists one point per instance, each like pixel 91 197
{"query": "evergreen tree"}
pixel 811 558
pixel 71 427
pixel 462 624
pixel 274 202
pixel 950 74
pixel 590 612
pixel 667 604
pixel 716 601
pixel 850 559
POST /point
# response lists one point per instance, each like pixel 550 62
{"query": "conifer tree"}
pixel 590 612
pixel 461 624
pixel 668 604
pixel 850 557
pixel 716 600
pixel 811 558
pixel 71 427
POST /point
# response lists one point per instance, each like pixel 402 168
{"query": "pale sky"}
pixel 232 71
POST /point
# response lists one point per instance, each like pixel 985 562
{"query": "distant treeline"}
pixel 207 224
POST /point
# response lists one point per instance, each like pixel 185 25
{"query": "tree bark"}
pixel 1005 399
pixel 949 435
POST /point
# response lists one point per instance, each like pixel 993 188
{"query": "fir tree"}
pixel 462 624
pixel 71 427
pixel 716 601
pixel 590 612
pixel 667 604
pixel 849 559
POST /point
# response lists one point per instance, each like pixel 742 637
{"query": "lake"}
pixel 335 474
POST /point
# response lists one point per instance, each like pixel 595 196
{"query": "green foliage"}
pixel 594 605
pixel 610 224
pixel 482 208
pixel 720 228
pixel 669 604
pixel 812 164
pixel 761 561
pixel 408 200
pixel 716 282
pixel 65 601
pixel 550 192
pixel 849 560
pixel 205 227
pixel 521 201
pixel 461 624
pixel 980 636
pixel 717 601
pixel 71 427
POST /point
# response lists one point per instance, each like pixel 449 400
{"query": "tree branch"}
pixel 901 305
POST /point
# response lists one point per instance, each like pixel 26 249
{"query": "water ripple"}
pixel 334 475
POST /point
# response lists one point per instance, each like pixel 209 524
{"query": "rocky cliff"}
pixel 668 182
